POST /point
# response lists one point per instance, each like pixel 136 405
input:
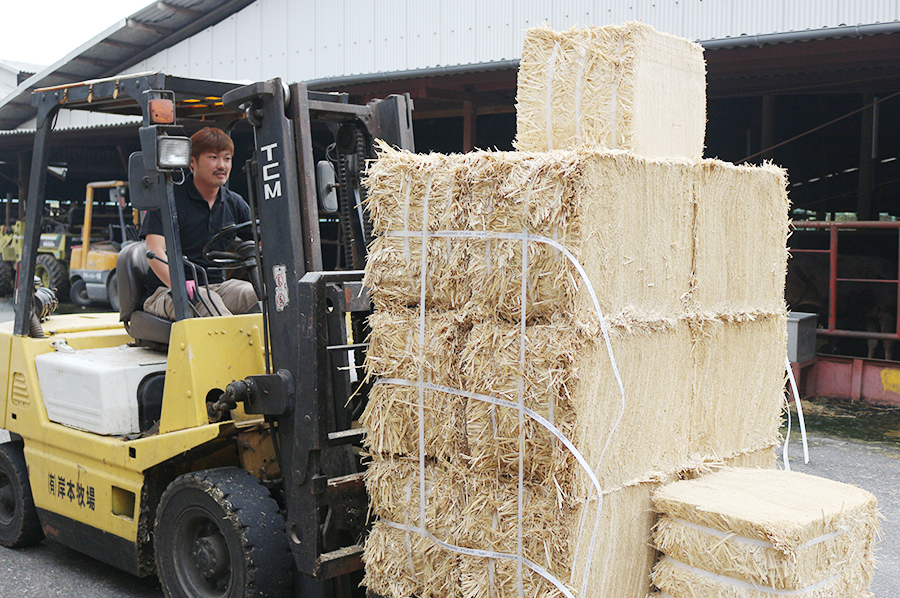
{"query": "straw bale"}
pixel 774 529
pixel 393 273
pixel 491 365
pixel 401 564
pixel 391 415
pixel 721 394
pixel 621 86
pixel 627 220
pixel 738 382
pixel 679 582
pixel 479 510
pixel 785 508
pixel 763 564
pixel 741 239
pixel 474 509
pixel 397 190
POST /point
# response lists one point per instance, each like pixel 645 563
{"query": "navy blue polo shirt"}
pixel 197 223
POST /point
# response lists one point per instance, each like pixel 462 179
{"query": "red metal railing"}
pixel 834 228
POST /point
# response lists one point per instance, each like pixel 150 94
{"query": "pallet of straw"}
pixel 647 233
pixel 622 86
pixel 756 533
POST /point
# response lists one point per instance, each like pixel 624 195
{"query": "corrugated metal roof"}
pixel 131 40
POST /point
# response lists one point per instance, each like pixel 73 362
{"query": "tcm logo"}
pixel 271 176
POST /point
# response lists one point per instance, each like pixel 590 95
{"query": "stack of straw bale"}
pixel 499 420
pixel 754 533
pixel 621 86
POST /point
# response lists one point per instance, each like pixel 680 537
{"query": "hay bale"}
pixel 391 415
pixel 741 231
pixel 621 86
pixel 720 396
pixel 400 564
pixel 659 238
pixel 738 382
pixel 742 532
pixel 478 510
pixel 627 220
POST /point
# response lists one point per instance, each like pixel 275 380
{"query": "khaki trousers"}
pixel 231 297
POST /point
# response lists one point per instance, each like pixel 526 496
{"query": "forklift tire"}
pixel 53 273
pixel 7 278
pixel 19 523
pixel 112 291
pixel 219 534
pixel 78 293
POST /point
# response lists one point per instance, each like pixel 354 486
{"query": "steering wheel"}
pixel 226 259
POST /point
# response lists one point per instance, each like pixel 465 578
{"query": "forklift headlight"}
pixel 174 152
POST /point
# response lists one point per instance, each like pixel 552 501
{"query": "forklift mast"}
pixel 306 306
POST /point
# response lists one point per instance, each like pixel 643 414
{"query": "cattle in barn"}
pixel 869 305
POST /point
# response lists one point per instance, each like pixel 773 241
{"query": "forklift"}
pixel 93 264
pixel 221 453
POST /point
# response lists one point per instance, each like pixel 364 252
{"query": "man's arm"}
pixel 157 244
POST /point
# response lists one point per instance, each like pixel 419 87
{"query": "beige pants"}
pixel 231 297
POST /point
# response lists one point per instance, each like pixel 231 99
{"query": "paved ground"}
pixel 869 465
pixel 51 570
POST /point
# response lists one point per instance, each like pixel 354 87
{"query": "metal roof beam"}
pixel 180 10
pixel 121 45
pixel 150 27
pixel 106 64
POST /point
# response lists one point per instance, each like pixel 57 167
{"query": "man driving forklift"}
pixel 204 207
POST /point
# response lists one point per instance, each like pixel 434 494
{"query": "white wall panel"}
pixel 308 39
pixel 360 48
pixel 458 36
pixel 389 31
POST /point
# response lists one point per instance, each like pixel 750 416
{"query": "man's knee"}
pixel 238 295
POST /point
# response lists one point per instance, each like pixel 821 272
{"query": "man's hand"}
pixel 157 244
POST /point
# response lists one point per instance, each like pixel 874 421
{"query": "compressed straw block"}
pixel 754 533
pixel 624 87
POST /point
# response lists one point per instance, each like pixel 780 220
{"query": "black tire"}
pixel 53 273
pixel 7 279
pixel 112 291
pixel 19 523
pixel 78 293
pixel 219 534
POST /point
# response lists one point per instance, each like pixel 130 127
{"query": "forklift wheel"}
pixel 7 278
pixel 19 524
pixel 112 291
pixel 53 273
pixel 219 534
pixel 78 293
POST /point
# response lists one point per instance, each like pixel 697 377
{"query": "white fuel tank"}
pixel 96 389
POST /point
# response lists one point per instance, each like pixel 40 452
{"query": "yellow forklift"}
pixel 92 268
pixel 220 453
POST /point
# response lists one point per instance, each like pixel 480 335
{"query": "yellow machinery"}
pixel 219 453
pixel 92 268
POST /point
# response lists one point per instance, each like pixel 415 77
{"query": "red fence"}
pixel 834 229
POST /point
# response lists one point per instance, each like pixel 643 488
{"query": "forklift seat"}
pixel 131 268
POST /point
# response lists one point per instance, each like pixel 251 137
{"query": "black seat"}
pixel 131 268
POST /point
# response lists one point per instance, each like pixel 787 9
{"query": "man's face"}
pixel 211 168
